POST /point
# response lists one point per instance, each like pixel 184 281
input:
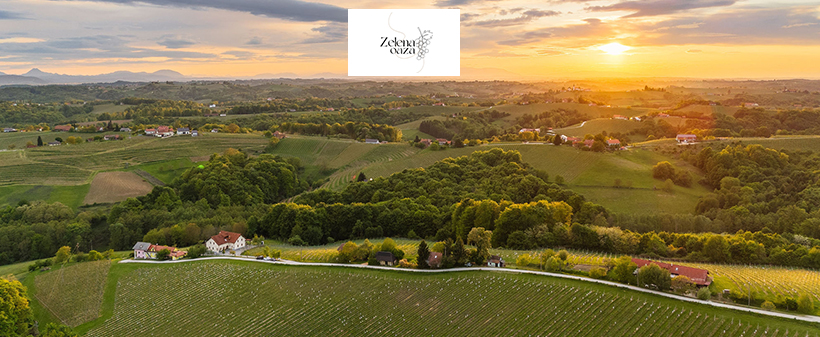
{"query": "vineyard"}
pixel 767 282
pixel 73 294
pixel 241 298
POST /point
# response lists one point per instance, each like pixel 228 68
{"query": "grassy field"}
pixel 247 298
pixel 73 294
pixel 71 196
pixel 596 126
pixel 110 187
pixel 109 108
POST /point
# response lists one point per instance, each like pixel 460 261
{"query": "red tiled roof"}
pixel 225 237
pixel 613 141
pixel 697 275
pixel 157 248
pixel 434 259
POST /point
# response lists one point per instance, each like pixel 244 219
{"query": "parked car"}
pixel 260 257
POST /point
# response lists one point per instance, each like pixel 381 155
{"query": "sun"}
pixel 614 48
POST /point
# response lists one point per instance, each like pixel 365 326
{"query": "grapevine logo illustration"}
pixel 399 42
pixel 399 47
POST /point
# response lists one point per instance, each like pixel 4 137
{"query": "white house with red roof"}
pixel 699 277
pixel 225 241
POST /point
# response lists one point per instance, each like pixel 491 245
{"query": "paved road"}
pixel 812 319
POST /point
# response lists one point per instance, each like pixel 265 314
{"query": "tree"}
pixel 94 256
pixel 663 170
pixel 39 141
pixel 57 330
pixel 523 260
pixel 348 252
pixel 716 248
pixel 767 305
pixel 563 255
pixel 459 252
pixel 232 128
pixel 163 254
pixel 557 140
pixel 14 309
pixel 361 177
pixel 481 238
pixel 654 276
pixel 12 146
pixel 597 272
pixel 623 269
pixel 682 284
pixel 62 254
pixel 197 251
pixel 517 240
pixel 423 255
pixel 554 264
pixel 559 180
pixel 704 294
pixel 58 139
pixel 805 304
pixel 545 255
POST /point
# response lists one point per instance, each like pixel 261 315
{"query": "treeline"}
pixel 555 118
pixel 16 114
pixel 287 104
pixel 360 130
pixel 468 125
pixel 157 108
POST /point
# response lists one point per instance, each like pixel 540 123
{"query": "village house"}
pixel 442 141
pixel 111 137
pixel 589 142
pixel 9 130
pixel 125 129
pixel 426 142
pixel 700 277
pixel 434 260
pixel 150 132
pixel 750 105
pixel 613 143
pixel 62 128
pixel 147 251
pixel 183 131
pixel 194 133
pixel 279 135
pixel 371 141
pixel 686 138
pixel 55 143
pixel 663 115
pixel 495 261
pixel 214 130
pixel 536 131
pixel 164 131
pixel 225 241
pixel 619 117
pixel 385 258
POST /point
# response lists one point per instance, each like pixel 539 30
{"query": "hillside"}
pixel 356 302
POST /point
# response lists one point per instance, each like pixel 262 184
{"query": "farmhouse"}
pixel 279 135
pixel 426 142
pixel 145 250
pixel 225 241
pixel 125 129
pixel 529 130
pixel 495 261
pixel 9 130
pixel 589 142
pixel 385 258
pixel 434 261
pixel 619 117
pixel 214 130
pixel 613 143
pixel 111 137
pixel 150 132
pixel 63 128
pixel 663 115
pixel 442 141
pixel 183 131
pixel 54 143
pixel 698 276
pixel 194 133
pixel 686 139
pixel 371 141
pixel 750 105
pixel 164 131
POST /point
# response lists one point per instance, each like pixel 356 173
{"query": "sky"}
pixel 549 39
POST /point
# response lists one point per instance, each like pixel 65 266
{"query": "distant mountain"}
pixel 128 76
pixel 20 80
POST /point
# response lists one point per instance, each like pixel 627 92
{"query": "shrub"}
pixel 597 273
pixel 563 255
pixel 767 305
pixel 296 241
pixel 523 260
pixel 704 294
pixel 805 304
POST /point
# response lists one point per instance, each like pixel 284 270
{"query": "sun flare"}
pixel 614 48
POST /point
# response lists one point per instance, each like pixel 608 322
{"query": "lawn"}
pixel 199 298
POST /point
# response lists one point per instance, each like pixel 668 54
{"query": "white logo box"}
pixel 423 42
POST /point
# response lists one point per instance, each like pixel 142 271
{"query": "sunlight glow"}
pixel 614 48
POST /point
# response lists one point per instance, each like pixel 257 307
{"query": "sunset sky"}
pixel 548 39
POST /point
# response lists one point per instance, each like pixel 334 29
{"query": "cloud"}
pixel 694 51
pixel 744 26
pixel 240 54
pixel 20 40
pixel 89 48
pixel 592 27
pixel 331 32
pixel 294 10
pixel 496 53
pixel 659 7
pixel 468 16
pixel 525 17
pixel 254 41
pixel 175 42
pixel 6 15
pixel 456 3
